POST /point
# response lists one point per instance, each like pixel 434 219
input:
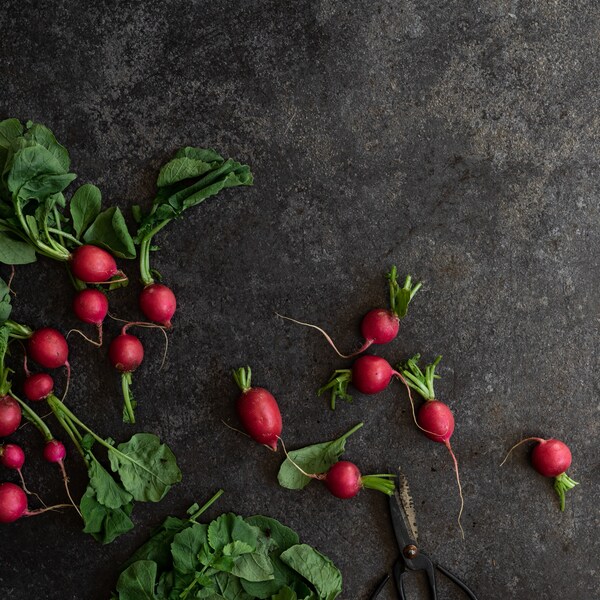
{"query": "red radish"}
pixel 126 354
pixel 435 419
pixel 38 387
pixel 551 458
pixel 10 415
pixel 369 375
pixel 380 325
pixel 48 347
pixel 158 303
pixel 344 480
pixel 258 410
pixel 13 457
pixel 13 504
pixel 90 306
pixel 91 264
pixel 54 451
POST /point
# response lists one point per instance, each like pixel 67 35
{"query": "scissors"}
pixel 412 558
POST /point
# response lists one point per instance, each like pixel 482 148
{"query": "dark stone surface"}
pixel 458 140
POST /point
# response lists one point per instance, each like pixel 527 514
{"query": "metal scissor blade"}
pixel 400 523
pixel 408 505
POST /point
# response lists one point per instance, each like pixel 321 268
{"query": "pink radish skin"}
pixel 258 411
pixel 551 457
pixel 91 264
pixel 12 456
pixel 371 374
pixel 90 306
pixel 10 416
pixel 343 480
pixel 13 502
pixel 437 421
pixel 126 353
pixel 158 303
pixel 54 451
pixel 48 347
pixel 380 326
pixel 38 387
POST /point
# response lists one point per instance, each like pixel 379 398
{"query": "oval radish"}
pixel 126 353
pixel 10 415
pixel 158 303
pixel 90 306
pixel 48 347
pixel 91 264
pixel 12 456
pixel 258 410
pixel 38 387
pixel 379 325
pixel 13 504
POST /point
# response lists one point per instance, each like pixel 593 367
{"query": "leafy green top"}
pixel 400 297
pixel 416 379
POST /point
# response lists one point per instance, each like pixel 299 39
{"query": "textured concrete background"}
pixel 456 139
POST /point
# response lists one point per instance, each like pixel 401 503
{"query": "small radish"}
pixel 55 452
pixel 10 415
pixel 551 458
pixel 91 264
pixel 369 375
pixel 258 410
pixel 435 419
pixel 13 457
pixel 344 480
pixel 126 354
pixel 379 325
pixel 48 347
pixel 13 504
pixel 91 306
pixel 158 303
pixel 38 387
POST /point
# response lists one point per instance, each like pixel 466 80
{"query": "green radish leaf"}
pixel 179 169
pixel 146 467
pixel 14 251
pixel 314 459
pixel 253 567
pixel 32 224
pixel 316 568
pixel 285 593
pixel 5 309
pixel 10 130
pixel 206 155
pixel 137 581
pixel 108 492
pixel 43 136
pixel 109 230
pixel 85 207
pixel 105 524
pixel 283 537
pixel 237 548
pixel 229 528
pixel 230 587
pixel 185 548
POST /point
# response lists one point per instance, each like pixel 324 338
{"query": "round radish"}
pixel 551 458
pixel 158 303
pixel 13 502
pixel 48 348
pixel 54 451
pixel 436 421
pixel 12 456
pixel 380 325
pixel 90 306
pixel 92 264
pixel 258 410
pixel 38 387
pixel 344 481
pixel 126 353
pixel 10 415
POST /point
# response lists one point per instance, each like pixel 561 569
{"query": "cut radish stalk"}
pixel 380 325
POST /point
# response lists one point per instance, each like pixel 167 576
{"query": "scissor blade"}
pixel 408 505
pixel 400 522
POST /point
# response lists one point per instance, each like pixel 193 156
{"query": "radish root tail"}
pixel 529 439
pixel 462 501
pixel 85 337
pixel 66 482
pixel 320 476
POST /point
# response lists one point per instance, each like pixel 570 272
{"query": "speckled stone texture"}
pixel 456 139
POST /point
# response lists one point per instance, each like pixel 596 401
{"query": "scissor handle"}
pixel 427 566
pixel 461 584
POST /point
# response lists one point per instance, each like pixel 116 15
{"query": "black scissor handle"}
pixel 461 584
